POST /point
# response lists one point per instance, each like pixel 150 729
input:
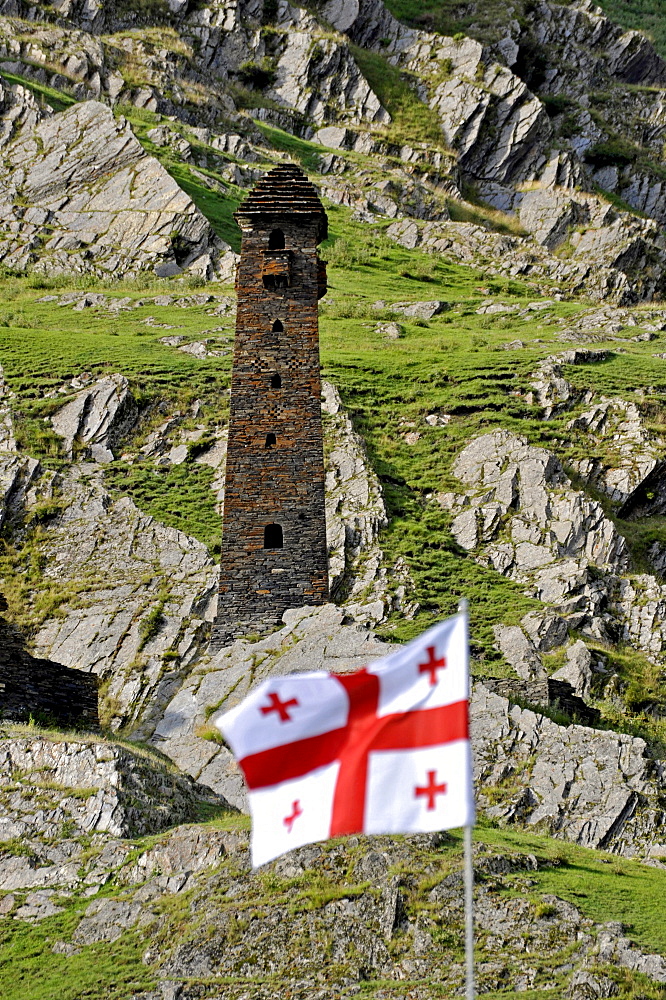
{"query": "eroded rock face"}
pixel 521 516
pixel 96 202
pixel 18 110
pixel 554 532
pixel 617 426
pixel 17 476
pixel 312 639
pixel 355 510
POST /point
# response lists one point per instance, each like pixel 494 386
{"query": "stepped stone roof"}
pixel 284 191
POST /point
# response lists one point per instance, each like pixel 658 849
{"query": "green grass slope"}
pixel 601 886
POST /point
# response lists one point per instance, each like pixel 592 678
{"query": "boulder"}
pixel 550 215
pixel 420 310
pixel 546 629
pixel 519 651
pixel 98 418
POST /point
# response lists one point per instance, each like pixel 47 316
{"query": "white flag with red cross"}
pixel 382 750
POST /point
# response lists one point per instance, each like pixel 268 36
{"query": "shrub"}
pixel 556 104
pixel 614 152
pixel 256 76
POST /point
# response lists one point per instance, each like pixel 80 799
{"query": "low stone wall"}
pixel 546 692
pixel 45 690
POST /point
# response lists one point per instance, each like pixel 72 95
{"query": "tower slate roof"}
pixel 285 190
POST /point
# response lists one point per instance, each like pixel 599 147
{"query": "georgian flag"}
pixel 382 750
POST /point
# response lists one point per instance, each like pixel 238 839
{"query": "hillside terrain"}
pixel 493 349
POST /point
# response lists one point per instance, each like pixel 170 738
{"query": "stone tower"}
pixel 274 527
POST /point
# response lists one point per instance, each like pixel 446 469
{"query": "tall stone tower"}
pixel 274 530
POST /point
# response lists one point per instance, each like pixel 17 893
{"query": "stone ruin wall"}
pixel 46 691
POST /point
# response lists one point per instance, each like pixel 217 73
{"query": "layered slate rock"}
pixel 530 769
pixel 596 788
pixel 311 639
pixel 78 193
pixel 522 517
pixel 141 595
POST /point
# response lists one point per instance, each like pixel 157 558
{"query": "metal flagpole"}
pixel 463 608
pixel 469 914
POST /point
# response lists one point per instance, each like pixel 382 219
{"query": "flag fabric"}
pixel 383 750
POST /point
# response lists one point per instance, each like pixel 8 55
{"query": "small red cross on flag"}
pixel 382 750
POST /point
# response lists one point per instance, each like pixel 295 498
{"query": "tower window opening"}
pixel 276 240
pixel 277 326
pixel 276 382
pixel 273 537
pixel 270 441
pixel 276 281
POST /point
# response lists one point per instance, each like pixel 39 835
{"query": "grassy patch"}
pixel 178 495
pixel 589 879
pixel 29 970
pixel 56 99
pixel 412 120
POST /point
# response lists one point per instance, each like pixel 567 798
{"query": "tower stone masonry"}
pixel 273 554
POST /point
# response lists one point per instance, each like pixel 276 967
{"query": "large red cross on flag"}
pixel 382 750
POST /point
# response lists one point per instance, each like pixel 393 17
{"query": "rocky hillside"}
pixel 494 428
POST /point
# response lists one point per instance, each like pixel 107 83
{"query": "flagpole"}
pixel 463 608
pixel 469 914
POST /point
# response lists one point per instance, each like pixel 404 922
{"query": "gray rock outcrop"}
pixel 140 602
pixel 355 510
pixel 95 786
pixel 312 639
pixel 78 193
pixel 617 427
pixel 521 516
pixel 519 651
pixel 595 788
pixel 577 671
pixel 97 418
